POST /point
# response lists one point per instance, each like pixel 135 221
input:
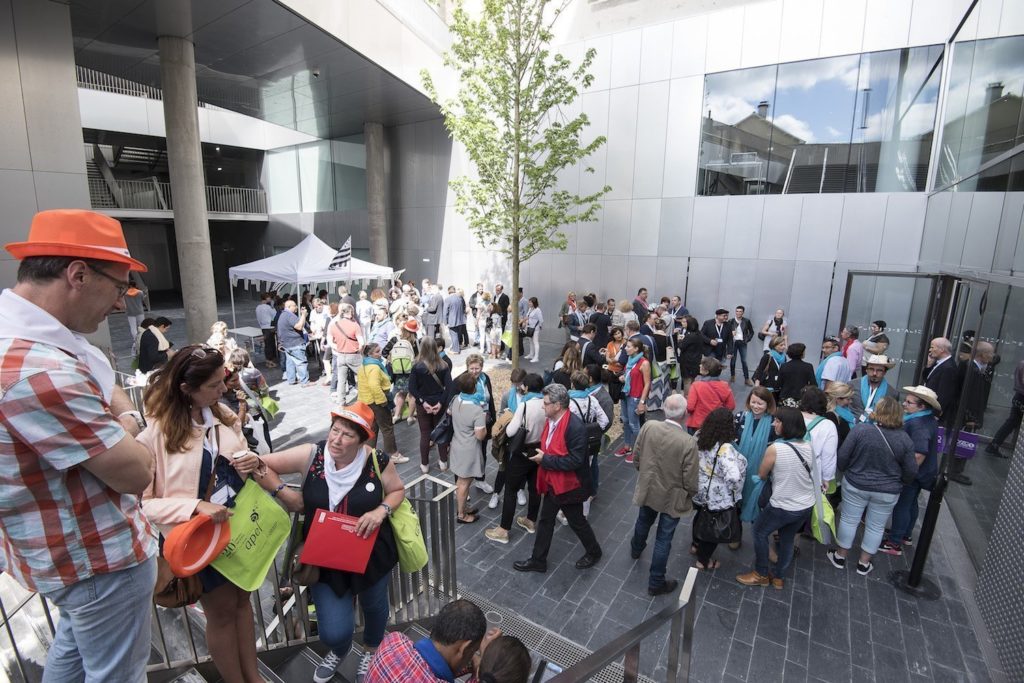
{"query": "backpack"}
pixel 402 357
pixel 591 428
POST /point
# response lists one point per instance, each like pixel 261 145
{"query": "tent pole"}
pixel 231 288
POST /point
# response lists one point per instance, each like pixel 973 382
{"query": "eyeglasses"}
pixel 122 286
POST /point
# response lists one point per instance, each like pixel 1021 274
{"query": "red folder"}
pixel 332 543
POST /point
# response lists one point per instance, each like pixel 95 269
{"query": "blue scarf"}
pixel 914 416
pixel 779 357
pixel 480 397
pixel 630 363
pixel 846 415
pixel 594 389
pixel 821 367
pixel 865 392
pixel 370 360
pixel 425 648
pixel 514 399
pixel 753 442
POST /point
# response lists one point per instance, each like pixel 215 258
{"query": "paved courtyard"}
pixel 826 625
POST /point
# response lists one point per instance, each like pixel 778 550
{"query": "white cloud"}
pixel 833 132
pixel 794 126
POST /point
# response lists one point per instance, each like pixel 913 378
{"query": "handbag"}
pixel 405 524
pixel 442 434
pixel 530 331
pixel 823 517
pixel 717 526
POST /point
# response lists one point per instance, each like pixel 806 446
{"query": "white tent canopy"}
pixel 304 264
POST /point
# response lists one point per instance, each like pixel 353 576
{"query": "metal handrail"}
pixel 154 195
pixel 680 642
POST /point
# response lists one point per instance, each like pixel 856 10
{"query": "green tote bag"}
pixel 405 523
pixel 259 527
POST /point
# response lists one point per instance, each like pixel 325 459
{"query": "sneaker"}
pixel 629 458
pixel 622 451
pixel 561 518
pixel 399 459
pixel 443 466
pixel 865 569
pixel 483 486
pixel 521 498
pixel 837 562
pixel 908 541
pixel 525 523
pixel 493 503
pixel 364 666
pixel 327 668
pixel 424 469
pixel 890 548
pixel 497 534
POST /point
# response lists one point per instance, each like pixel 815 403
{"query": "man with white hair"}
pixel 666 456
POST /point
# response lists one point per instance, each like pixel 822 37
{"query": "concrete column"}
pixel 185 159
pixel 373 136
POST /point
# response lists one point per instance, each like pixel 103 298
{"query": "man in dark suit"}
pixel 589 350
pixel 739 333
pixel 601 322
pixel 640 305
pixel 564 480
pixel 716 339
pixel 501 301
pixel 942 376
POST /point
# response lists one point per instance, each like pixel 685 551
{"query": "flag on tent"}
pixel 344 255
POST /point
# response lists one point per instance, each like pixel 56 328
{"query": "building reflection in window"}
pixel 858 123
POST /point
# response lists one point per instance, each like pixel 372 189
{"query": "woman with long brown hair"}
pixel 430 385
pixel 196 443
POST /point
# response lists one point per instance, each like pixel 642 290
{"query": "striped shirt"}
pixel 59 524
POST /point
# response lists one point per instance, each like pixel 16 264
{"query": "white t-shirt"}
pixel 824 444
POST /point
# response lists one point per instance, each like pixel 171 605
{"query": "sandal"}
pixel 467 520
pixel 693 550
pixel 712 565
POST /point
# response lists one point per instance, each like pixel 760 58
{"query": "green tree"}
pixel 508 114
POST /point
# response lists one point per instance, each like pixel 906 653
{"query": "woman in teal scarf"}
pixel 755 435
pixel 840 396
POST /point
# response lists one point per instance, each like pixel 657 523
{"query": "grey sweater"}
pixel 867 463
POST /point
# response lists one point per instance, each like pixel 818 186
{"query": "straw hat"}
pixel 884 361
pixel 359 414
pixel 194 544
pixel 75 233
pixel 925 394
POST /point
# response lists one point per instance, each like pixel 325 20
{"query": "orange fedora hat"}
pixel 77 233
pixel 360 414
pixel 194 544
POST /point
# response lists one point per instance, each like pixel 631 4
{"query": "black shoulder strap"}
pixel 802 461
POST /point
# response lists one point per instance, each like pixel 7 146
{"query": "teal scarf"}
pixel 753 442
pixel 865 392
pixel 480 397
pixel 370 360
pixel 846 415
pixel 779 357
pixel 914 416
pixel 579 393
pixel 821 367
pixel 515 399
pixel 630 364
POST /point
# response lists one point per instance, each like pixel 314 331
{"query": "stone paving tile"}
pixel 826 625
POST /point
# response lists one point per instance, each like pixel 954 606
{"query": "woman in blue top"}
pixel 755 430
pixel 920 422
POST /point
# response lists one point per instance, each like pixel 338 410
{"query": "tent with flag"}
pixel 310 262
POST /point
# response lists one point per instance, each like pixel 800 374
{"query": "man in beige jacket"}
pixel 667 459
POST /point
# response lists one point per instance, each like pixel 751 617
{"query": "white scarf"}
pixel 340 482
pixel 22 319
pixel 161 341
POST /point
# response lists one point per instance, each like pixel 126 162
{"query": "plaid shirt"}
pixel 397 661
pixel 59 524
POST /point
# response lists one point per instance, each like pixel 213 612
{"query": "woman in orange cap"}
pixel 195 441
pixel 342 477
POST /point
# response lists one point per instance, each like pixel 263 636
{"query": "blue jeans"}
pixel 739 350
pixel 662 541
pixel 855 503
pixel 904 515
pixel 787 523
pixel 104 628
pixel 335 617
pixel 296 363
pixel 631 420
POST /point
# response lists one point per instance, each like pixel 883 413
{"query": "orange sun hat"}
pixel 194 544
pixel 360 414
pixel 76 233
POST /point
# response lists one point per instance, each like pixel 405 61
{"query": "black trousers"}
pixel 577 522
pixel 519 471
pixel 270 344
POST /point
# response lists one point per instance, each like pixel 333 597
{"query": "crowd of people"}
pixel 105 485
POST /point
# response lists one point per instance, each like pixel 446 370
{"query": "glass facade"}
pixel 327 175
pixel 857 123
pixel 983 115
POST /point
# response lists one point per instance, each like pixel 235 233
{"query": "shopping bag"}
pixel 823 522
pixel 259 527
pixel 405 525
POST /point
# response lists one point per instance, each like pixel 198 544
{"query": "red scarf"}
pixel 846 346
pixel 556 481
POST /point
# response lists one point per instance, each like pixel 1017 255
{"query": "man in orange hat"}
pixel 71 526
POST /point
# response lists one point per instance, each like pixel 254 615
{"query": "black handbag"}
pixel 442 434
pixel 717 526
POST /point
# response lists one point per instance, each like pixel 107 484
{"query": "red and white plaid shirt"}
pixel 59 524
pixel 397 661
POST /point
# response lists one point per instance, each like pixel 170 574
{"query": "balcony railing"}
pixel 91 79
pixel 153 195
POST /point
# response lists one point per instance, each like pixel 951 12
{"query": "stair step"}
pixel 190 676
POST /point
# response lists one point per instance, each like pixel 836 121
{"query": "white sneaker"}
pixel 424 469
pixel 521 498
pixel 327 668
pixel 442 465
pixel 483 486
pixel 399 459
pixel 494 501
pixel 561 518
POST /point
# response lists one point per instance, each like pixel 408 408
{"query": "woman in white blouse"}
pixel 721 471
pixel 531 328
